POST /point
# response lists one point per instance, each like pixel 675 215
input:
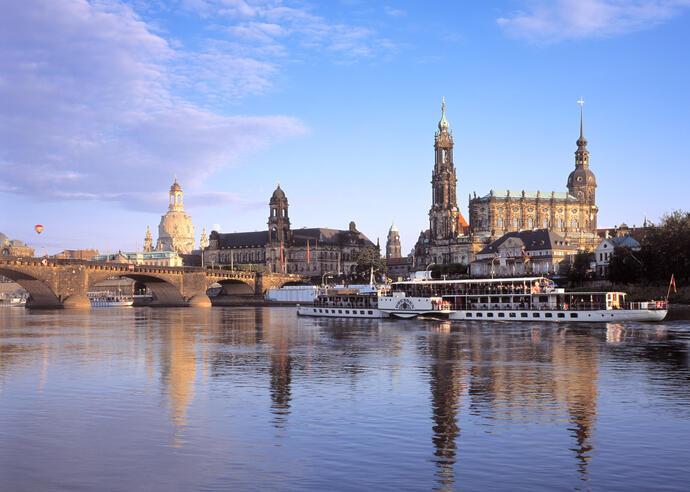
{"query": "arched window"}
pixel 499 223
pixel 530 223
pixel 574 223
pixel 545 223
pixel 515 222
pixel 559 222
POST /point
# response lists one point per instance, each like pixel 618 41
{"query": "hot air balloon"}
pixel 38 228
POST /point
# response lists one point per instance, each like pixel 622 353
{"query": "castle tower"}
pixel 393 243
pixel 176 231
pixel 148 240
pixel 443 216
pixel 582 183
pixel 278 220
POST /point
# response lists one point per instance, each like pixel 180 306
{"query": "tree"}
pixel 367 258
pixel 625 266
pixel 666 248
pixel 580 267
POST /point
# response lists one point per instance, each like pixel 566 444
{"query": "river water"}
pixel 259 399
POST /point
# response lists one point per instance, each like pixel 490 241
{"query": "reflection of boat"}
pixel 522 299
pixel 108 299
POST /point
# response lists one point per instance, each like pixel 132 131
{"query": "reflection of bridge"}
pixel 64 283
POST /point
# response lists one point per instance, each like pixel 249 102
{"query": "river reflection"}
pixel 256 398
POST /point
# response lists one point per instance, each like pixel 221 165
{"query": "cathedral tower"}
pixel 582 182
pixel 443 216
pixel 278 220
pixel 393 243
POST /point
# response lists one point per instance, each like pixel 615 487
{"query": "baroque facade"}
pixel 450 239
pixel 308 251
pixel 572 213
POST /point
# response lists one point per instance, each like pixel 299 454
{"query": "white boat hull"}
pixel 340 312
pixel 596 316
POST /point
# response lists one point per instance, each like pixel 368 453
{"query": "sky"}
pixel 103 102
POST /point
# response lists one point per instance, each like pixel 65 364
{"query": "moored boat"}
pixel 527 299
pixel 344 303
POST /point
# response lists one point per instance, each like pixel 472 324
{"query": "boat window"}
pixel 479 315
pixel 347 311
pixel 523 315
pixel 333 311
pixel 489 315
pixel 340 311
pixel 512 315
pixel 370 312
pixel 548 315
pixel 573 315
pixel 321 310
pixel 468 315
pixel 501 315
pixel 562 315
pixel 535 315
pixel 361 312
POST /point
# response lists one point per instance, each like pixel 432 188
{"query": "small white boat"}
pixel 108 299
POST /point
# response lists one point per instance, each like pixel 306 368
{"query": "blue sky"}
pixel 102 102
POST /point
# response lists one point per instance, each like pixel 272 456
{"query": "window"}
pixel 468 315
pixel 561 315
pixel 515 222
pixel 574 224
pixel 479 315
pixel 512 315
pixel 530 223
pixel 489 315
pixel 523 315
pixel 548 315
pixel 545 223
pixel 573 315
pixel 499 223
pixel 370 312
pixel 501 315
pixel 361 312
pixel 535 315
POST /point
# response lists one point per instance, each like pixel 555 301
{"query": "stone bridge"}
pixel 64 283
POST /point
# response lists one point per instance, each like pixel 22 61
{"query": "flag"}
pixel 308 262
pixel 673 282
pixel 282 259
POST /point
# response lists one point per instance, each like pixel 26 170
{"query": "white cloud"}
pixel 90 105
pixel 556 20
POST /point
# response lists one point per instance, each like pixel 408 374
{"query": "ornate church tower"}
pixel 148 240
pixel 393 243
pixel 582 182
pixel 443 216
pixel 278 220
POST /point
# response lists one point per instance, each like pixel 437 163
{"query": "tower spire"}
pixel 443 124
pixel 582 141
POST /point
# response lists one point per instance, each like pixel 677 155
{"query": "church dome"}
pixel 278 194
pixel 581 177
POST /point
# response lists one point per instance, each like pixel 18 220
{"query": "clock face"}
pixel 579 178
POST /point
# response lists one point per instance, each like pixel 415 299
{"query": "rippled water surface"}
pixel 258 399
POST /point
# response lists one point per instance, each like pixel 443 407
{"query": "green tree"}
pixel 625 266
pixel 580 267
pixel 369 257
pixel 666 248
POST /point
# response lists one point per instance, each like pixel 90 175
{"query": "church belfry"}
pixel 581 182
pixel 443 216
pixel 278 220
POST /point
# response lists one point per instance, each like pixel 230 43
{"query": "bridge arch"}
pixel 40 293
pixel 164 292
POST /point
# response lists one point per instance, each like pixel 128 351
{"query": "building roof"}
pixel 626 241
pixel 315 235
pixel 405 260
pixel 529 195
pixel 532 240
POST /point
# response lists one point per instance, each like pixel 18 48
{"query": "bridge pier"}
pixel 199 300
pixel 76 301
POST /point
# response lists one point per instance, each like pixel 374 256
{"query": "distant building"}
pixel 393 249
pixel 307 251
pixel 153 258
pixel 76 254
pixel 637 233
pixel 604 252
pixel 175 231
pixel 538 252
pixel 399 268
pixel 14 247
